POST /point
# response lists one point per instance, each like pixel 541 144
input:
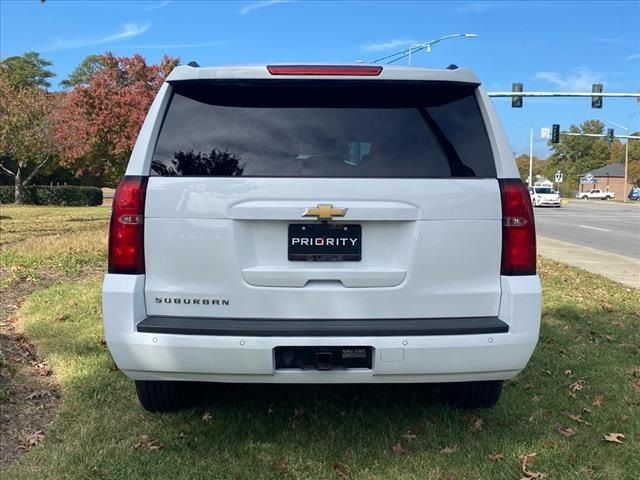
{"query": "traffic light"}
pixel 555 133
pixel 610 135
pixel 516 101
pixel 596 102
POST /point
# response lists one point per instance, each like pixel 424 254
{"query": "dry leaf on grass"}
pixel 576 418
pixel 578 385
pixel 614 437
pixel 566 432
pixel 636 386
pixel 526 461
pixel 449 450
pixel 207 417
pixel 32 440
pixel 398 449
pixel 342 470
pixel 281 465
pixel 475 423
pixel 494 457
pixel 568 373
pixel 298 412
pixel 42 369
pixel 598 401
pixel 38 394
pixel 148 443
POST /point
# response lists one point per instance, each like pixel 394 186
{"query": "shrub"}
pixel 44 195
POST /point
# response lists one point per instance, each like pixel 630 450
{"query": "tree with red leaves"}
pixel 98 123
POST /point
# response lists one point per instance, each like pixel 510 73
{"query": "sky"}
pixel 559 46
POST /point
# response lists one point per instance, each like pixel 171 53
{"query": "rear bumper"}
pixel 401 356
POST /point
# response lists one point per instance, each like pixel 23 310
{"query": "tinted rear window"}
pixel 323 129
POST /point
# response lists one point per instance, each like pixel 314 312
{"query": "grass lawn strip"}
pixel 581 385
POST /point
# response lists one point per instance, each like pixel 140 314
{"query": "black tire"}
pixel 165 396
pixel 474 394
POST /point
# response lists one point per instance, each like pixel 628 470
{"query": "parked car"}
pixel 596 194
pixel 304 224
pixel 544 196
pixel 634 194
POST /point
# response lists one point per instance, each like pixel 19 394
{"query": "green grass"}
pixel 591 333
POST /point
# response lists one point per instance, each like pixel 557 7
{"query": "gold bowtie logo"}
pixel 324 211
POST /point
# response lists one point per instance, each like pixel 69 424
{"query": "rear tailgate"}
pixel 237 164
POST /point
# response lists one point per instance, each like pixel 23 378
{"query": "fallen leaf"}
pixel 614 437
pixel 598 401
pixel 566 432
pixel 526 462
pixel 398 449
pixel 636 385
pixel 635 372
pixel 281 465
pixel 586 410
pixel 409 435
pixel 568 372
pixel 32 440
pixel 62 318
pixel 343 471
pixel 577 385
pixel 38 394
pixel 475 423
pixel 494 457
pixel 576 418
pixel 207 417
pixel 298 412
pixel 148 443
pixel 43 369
pixel 449 450
pixel 270 409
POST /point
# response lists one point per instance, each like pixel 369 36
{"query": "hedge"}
pixel 70 195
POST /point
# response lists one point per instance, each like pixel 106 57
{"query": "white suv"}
pixel 321 224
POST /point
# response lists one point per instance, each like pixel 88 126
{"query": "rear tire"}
pixel 165 396
pixel 474 394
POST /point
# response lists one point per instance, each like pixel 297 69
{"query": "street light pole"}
pixel 416 47
pixel 429 44
pixel 531 157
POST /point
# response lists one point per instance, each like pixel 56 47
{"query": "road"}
pixel 609 226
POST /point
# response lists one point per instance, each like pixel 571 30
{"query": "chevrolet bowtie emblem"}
pixel 324 211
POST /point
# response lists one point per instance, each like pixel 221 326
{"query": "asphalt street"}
pixel 609 226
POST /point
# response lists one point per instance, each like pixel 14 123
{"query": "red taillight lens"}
pixel 357 70
pixel 126 231
pixel 518 229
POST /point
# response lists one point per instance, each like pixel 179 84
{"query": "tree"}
pixel 26 131
pixel 576 155
pixel 100 120
pixel 522 162
pixel 81 75
pixel 28 70
pixel 634 160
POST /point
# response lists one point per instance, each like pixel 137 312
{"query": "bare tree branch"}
pixel 6 170
pixel 35 170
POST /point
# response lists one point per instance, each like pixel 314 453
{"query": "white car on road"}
pixel 596 194
pixel 305 224
pixel 544 196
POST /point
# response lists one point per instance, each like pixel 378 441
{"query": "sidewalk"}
pixel 622 269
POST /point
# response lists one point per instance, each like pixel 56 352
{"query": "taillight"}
pixel 126 231
pixel 339 70
pixel 518 229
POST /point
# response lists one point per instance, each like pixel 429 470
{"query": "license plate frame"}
pixel 307 242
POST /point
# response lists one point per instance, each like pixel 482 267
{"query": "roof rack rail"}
pixel 193 63
pixel 453 66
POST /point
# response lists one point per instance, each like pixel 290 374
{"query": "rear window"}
pixel 545 190
pixel 323 129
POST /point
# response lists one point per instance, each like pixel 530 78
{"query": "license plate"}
pixel 324 242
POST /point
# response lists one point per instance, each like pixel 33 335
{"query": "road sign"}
pixel 559 176
pixel 588 179
pixel 545 133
